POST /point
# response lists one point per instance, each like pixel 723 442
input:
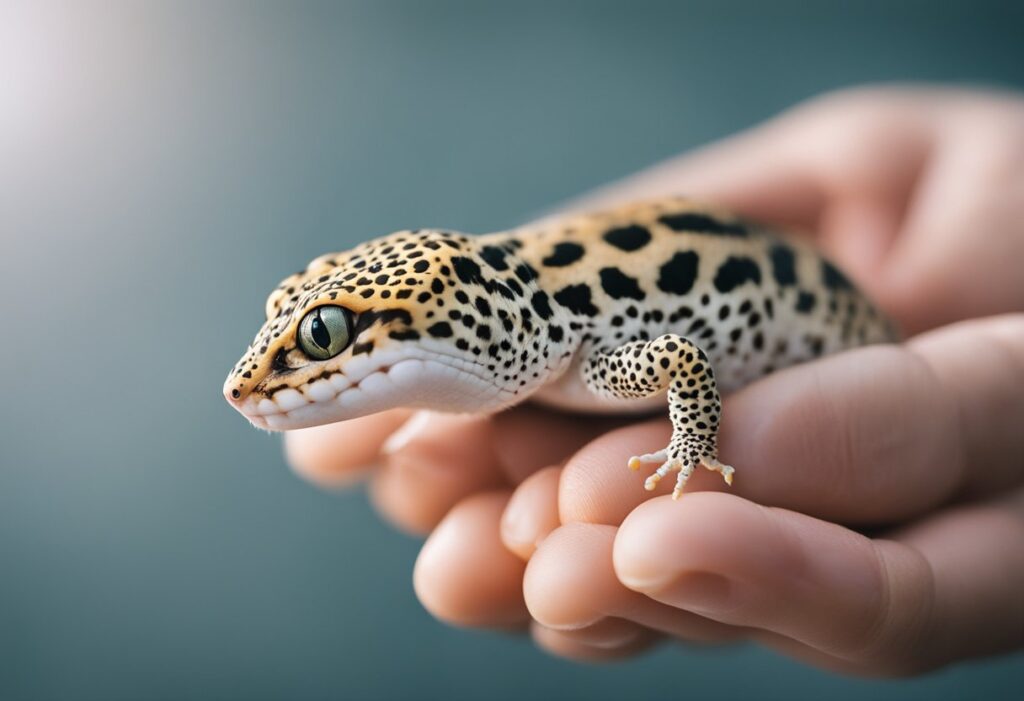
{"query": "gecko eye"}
pixel 325 331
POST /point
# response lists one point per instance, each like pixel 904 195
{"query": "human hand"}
pixel 916 176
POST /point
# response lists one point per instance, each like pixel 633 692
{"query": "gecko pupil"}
pixel 318 330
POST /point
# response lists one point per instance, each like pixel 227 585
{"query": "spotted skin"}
pixel 602 312
pixel 668 363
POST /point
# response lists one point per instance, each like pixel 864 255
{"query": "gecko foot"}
pixel 684 467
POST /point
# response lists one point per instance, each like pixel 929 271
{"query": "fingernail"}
pixel 514 527
pixel 519 530
pixel 406 432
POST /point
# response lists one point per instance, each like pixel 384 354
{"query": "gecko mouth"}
pixel 413 380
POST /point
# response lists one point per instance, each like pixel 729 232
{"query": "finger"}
pixel 532 512
pixel 976 559
pixel 980 364
pixel 449 459
pixel 753 172
pixel 337 454
pixel 870 436
pixel 531 437
pixel 815 168
pixel 885 606
pixel 747 565
pixel 570 585
pixel 440 459
pixel 584 647
pixel 464 575
pixel 968 194
pixel 818 438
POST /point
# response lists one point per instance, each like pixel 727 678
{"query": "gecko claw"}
pixel 725 470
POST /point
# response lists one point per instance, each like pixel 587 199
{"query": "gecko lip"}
pixel 338 398
pixel 259 413
pixel 252 409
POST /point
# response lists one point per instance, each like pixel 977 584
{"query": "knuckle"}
pixel 897 638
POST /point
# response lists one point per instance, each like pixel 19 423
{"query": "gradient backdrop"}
pixel 162 166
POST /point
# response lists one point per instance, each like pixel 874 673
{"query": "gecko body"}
pixel 644 305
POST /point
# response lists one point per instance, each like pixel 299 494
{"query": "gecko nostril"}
pixel 235 393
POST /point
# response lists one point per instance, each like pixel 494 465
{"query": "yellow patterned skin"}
pixel 602 312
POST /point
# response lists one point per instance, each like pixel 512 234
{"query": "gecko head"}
pixel 410 319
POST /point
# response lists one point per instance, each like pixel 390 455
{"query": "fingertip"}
pixel 532 512
pixel 571 584
pixel 464 575
pixel 569 581
pixel 663 541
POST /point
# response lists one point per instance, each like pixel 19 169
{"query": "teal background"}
pixel 163 165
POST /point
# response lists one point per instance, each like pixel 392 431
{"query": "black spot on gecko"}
pixel 420 266
pixel 783 265
pixel 506 291
pixel 467 270
pixel 406 335
pixel 735 271
pixel 564 254
pixel 525 273
pixel 618 285
pixel 691 222
pixel 541 306
pixel 494 257
pixel 440 330
pixel 678 275
pixel 482 306
pixel 628 238
pixel 833 277
pixel 576 298
pixel 805 302
pixel 361 348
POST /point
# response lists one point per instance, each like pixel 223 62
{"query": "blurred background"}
pixel 162 166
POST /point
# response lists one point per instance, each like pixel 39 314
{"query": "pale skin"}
pixel 534 524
